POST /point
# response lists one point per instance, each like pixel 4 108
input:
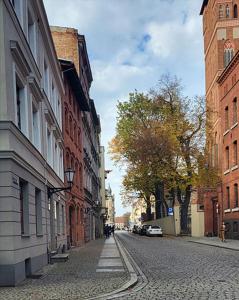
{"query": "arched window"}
pixel 220 12
pixel 70 125
pixel 235 12
pixel 234 110
pixel 66 118
pixel 227 11
pixel 228 53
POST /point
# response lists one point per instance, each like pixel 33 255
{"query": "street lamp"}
pixel 69 173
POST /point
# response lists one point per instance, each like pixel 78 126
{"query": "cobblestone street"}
pixel 78 278
pixel 177 269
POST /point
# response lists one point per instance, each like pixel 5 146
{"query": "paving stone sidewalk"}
pixel 216 242
pixel 75 279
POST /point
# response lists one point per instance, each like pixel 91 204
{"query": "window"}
pixel 66 118
pixel 227 158
pixel 70 125
pixel 236 195
pixel 216 155
pixel 31 33
pixel 21 107
pixel 58 218
pixel 234 110
pixel 46 79
pixel 38 211
pixel 24 207
pixel 226 118
pixel 17 5
pixel 35 127
pixel 235 226
pixel 49 147
pixel 228 53
pixel 235 12
pixel 61 172
pixel 228 197
pixel 63 219
pixel 220 11
pixel 227 11
pixel 235 153
pixel 55 157
pixel 52 100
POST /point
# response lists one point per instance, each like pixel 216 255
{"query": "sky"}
pixel 130 44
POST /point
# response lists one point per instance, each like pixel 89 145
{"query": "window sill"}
pixel 226 172
pixel 235 209
pixel 226 132
pixel 227 210
pixel 235 125
pixel 234 168
pixel 24 235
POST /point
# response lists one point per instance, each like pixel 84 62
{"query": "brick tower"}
pixel 221 43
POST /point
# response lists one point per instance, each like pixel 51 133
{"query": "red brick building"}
pixel 71 46
pixel 73 105
pixel 221 43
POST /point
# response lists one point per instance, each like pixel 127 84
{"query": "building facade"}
pixel 221 43
pixel 70 45
pixel 74 104
pixel 110 206
pixel 229 88
pixel 31 149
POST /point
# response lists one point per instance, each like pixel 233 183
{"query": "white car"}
pixel 154 230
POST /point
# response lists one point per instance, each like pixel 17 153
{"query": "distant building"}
pixel 31 150
pixel 110 205
pixel 121 222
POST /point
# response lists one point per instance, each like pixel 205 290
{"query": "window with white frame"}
pixel 31 33
pixel 61 172
pixel 49 146
pixel 46 78
pixel 52 100
pixel 21 106
pixel 35 125
pixel 17 5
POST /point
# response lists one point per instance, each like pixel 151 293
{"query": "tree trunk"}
pixel 158 200
pixel 148 210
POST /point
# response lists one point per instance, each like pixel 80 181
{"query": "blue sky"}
pixel 130 44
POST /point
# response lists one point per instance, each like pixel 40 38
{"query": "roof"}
pixel 70 72
pixel 204 4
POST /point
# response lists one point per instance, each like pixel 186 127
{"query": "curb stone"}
pixel 133 276
pixel 213 245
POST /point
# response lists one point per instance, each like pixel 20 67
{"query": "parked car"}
pixel 154 230
pixel 143 229
pixel 139 229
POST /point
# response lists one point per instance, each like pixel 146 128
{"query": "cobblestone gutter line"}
pixel 129 284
